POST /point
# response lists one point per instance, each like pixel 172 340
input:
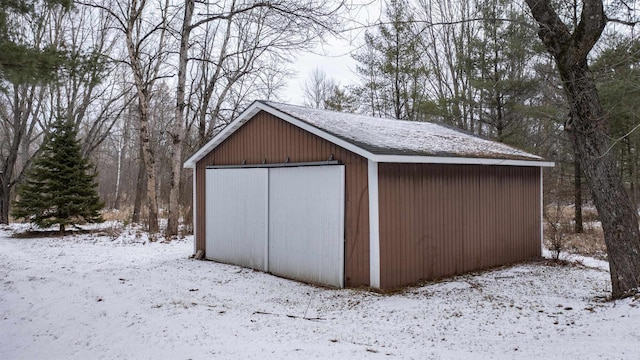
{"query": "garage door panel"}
pixel 306 223
pixel 236 228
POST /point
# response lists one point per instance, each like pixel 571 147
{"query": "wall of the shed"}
pixel 270 139
pixel 440 220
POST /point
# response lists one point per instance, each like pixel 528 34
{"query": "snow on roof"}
pixel 383 140
pixel 399 137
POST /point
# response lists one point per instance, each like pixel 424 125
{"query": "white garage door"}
pixel 288 221
pixel 306 228
pixel 236 211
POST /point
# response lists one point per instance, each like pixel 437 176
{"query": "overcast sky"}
pixel 338 64
pixel 334 57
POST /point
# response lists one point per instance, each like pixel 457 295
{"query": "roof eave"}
pixel 417 159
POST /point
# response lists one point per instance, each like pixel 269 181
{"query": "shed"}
pixel 351 200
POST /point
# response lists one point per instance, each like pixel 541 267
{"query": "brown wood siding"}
pixel 441 220
pixel 270 139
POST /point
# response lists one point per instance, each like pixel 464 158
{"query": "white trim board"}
pixel 195 215
pixel 541 212
pixel 374 226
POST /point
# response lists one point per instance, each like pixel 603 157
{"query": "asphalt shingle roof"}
pixel 384 140
pixel 397 137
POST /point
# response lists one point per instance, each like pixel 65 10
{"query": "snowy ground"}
pixel 88 296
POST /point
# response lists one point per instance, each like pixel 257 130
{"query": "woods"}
pixel 144 84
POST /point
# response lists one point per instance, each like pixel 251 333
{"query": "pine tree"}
pixel 390 66
pixel 21 61
pixel 60 188
pixel 340 99
pixel 501 70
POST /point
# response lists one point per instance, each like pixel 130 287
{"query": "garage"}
pixel 286 219
pixel 353 200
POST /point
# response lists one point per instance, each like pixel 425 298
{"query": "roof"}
pixel 384 140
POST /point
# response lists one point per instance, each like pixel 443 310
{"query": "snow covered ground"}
pixel 89 296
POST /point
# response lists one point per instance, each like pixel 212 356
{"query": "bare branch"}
pixel 623 22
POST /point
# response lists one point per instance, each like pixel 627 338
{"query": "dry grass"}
pixel 588 243
pixel 121 215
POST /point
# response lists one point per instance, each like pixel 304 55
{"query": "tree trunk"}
pixel 588 129
pixel 148 159
pixel 122 150
pixel 21 132
pixel 177 131
pixel 4 201
pixel 144 78
pixel 577 193
pixel 617 214
pixel 6 173
pixel 140 192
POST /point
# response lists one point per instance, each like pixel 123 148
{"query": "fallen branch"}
pixel 289 316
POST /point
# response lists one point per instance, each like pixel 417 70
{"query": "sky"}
pixel 337 64
pixel 334 56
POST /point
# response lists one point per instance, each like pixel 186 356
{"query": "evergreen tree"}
pixel 617 75
pixel 340 99
pixel 20 60
pixel 390 66
pixel 501 61
pixel 60 188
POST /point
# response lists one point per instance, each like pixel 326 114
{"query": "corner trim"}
pixel 374 225
pixel 195 213
pixel 541 212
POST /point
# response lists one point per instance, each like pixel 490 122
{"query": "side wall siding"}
pixel 266 138
pixel 440 220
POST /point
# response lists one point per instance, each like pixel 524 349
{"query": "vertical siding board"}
pixel 385 208
pixel 413 242
pixel 417 231
pixel 383 212
pixel 438 220
pixel 443 251
pixel 265 136
pixel 421 251
pixel 407 239
pixel 459 221
pixel 438 211
pixel 417 252
pixel 447 193
pixel 386 256
pixel 391 233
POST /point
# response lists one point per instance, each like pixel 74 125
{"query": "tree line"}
pixel 144 84
pixel 558 79
pixel 480 66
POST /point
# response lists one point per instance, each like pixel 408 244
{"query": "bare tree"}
pixel 145 31
pixel 145 59
pixel 588 129
pixel 238 43
pixel 85 94
pixel 20 132
pixel 445 49
pixel 235 38
pixel 177 129
pixel 317 88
